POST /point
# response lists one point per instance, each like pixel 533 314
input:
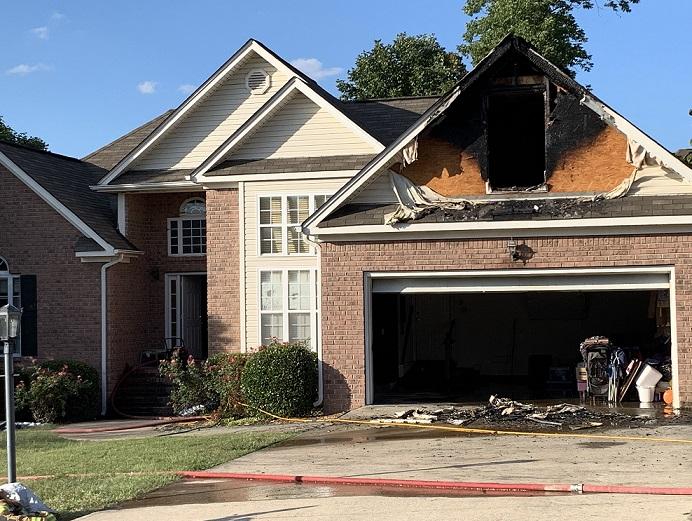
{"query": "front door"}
pixel 187 311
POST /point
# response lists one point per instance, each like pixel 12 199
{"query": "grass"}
pixel 90 475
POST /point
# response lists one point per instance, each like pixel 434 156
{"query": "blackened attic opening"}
pixel 516 138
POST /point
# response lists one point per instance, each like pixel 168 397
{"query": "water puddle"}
pixel 231 491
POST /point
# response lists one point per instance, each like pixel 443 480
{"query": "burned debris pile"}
pixel 505 413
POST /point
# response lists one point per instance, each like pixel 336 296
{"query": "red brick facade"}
pixel 136 290
pixel 36 240
pixel 344 266
pixel 223 270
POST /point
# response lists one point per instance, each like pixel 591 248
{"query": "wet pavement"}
pixel 232 491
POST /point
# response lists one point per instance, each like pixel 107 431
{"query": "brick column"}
pixel 223 270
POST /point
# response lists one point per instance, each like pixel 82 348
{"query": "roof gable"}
pixel 504 55
pixel 217 109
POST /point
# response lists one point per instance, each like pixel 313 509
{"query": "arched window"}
pixel 187 234
pixel 4 267
pixel 193 207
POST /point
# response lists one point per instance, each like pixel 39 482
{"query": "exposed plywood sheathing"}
pixel 446 169
pixel 597 165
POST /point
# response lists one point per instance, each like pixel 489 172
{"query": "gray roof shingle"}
pixel 291 164
pixel 68 180
pixel 109 155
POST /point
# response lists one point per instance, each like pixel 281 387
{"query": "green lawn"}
pixel 100 465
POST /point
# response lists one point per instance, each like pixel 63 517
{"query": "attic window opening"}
pixel 516 132
pixel 258 81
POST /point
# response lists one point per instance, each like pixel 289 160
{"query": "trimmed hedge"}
pixel 281 378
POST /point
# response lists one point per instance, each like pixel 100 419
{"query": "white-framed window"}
pixel 288 304
pixel 280 217
pixel 10 293
pixel 187 234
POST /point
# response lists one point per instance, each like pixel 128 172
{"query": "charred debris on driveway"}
pixel 504 412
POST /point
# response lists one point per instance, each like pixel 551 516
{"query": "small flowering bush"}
pixel 281 378
pixel 214 383
pixel 58 391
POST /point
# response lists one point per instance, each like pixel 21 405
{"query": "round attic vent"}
pixel 258 81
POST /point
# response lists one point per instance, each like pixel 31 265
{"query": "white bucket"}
pixel 648 377
pixel 646 394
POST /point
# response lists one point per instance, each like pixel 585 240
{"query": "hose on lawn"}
pixel 469 430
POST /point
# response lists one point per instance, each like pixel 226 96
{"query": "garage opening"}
pixel 463 347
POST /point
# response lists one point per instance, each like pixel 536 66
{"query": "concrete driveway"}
pixel 431 455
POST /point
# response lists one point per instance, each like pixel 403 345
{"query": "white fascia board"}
pixel 372 168
pixel 279 176
pixel 185 107
pixel 172 186
pixel 245 129
pixel 665 157
pixel 54 203
pixel 496 229
pixel 100 256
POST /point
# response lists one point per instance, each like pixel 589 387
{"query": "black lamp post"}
pixel 10 319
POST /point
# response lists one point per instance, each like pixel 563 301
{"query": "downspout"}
pixel 104 332
pixel 320 378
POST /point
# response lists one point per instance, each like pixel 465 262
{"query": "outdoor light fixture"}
pixel 512 249
pixel 10 319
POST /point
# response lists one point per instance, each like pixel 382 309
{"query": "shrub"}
pixel 224 372
pixel 214 384
pixel 281 378
pixel 189 387
pixel 59 390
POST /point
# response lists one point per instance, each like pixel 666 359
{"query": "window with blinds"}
pixel 288 306
pixel 187 234
pixel 280 218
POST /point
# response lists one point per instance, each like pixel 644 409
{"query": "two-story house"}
pixel 415 243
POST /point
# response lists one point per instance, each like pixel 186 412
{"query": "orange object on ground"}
pixel 668 397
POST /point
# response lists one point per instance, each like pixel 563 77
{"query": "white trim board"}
pixel 504 229
pixel 50 199
pixel 519 280
pixel 217 77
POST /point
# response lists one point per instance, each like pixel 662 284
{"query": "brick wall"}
pixel 36 240
pixel 223 270
pixel 344 265
pixel 136 290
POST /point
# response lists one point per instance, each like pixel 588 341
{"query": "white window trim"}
pixel 312 251
pixel 180 220
pixel 314 310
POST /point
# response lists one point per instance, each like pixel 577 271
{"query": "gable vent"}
pixel 258 81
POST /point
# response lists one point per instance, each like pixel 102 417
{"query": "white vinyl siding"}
pixel 301 128
pixel 213 120
pixel 378 190
pixel 657 181
pixel 255 263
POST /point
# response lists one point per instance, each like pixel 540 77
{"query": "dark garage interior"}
pixel 463 347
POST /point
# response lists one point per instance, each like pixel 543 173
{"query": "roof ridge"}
pixel 31 149
pixel 393 98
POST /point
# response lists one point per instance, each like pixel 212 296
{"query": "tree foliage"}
pixel 549 25
pixel 412 65
pixel 10 135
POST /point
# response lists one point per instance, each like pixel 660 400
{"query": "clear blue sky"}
pixel 80 73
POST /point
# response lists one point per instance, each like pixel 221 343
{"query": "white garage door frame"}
pixel 520 280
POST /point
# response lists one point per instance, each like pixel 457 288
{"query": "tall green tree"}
pixel 10 135
pixel 549 25
pixel 412 65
